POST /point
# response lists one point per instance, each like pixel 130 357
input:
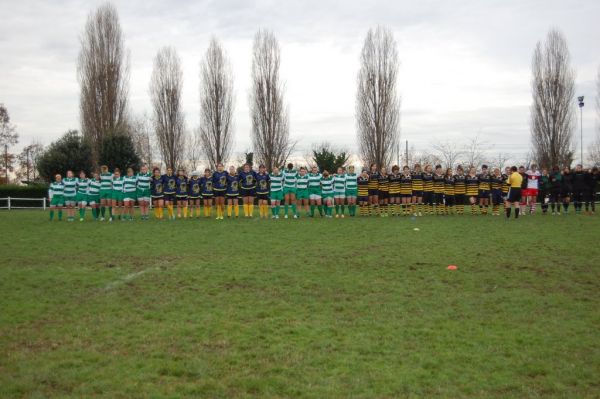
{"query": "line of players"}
pixel 417 192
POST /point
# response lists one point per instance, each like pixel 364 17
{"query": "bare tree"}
pixel 475 152
pixel 165 90
pixel 552 112
pixel 193 149
pixel 377 103
pixel 449 152
pixel 141 132
pixel 28 161
pixel 270 123
pixel 216 105
pixel 8 138
pixel 501 160
pixel 103 73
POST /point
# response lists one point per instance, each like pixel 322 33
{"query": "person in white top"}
pixel 531 193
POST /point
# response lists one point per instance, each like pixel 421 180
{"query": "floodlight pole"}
pixel 581 104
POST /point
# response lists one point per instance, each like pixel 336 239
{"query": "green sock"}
pixel 294 209
pixel 337 209
pixel 60 214
pixel 285 209
pixel 51 215
pixel 312 210
pixel 320 208
pixel 102 210
pixel 110 211
pixel 343 208
pixel 81 213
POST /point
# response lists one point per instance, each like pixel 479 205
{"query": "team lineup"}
pixel 303 192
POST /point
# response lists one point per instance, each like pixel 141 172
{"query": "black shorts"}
pixel 383 195
pixel 169 197
pixel 449 200
pixel 428 197
pixel 207 196
pixel 438 198
pixel 418 194
pixel 247 192
pixel 514 194
pixel 406 195
pixel 262 196
pixel 193 197
pixel 459 199
pixel 182 198
pixel 373 191
pixel 496 197
pixel 555 197
pixel 363 199
pixel 484 194
pixel 219 193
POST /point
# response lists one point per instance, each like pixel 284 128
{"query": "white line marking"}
pixel 128 278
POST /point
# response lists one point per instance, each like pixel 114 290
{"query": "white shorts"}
pixel 147 199
pixel 314 196
pixel 70 201
pixel 83 203
pixel 129 199
pixel 92 203
pixel 339 195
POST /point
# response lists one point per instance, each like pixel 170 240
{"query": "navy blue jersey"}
pixel 219 180
pixel 262 183
pixel 182 186
pixel 156 186
pixel 233 185
pixel 169 184
pixel 248 180
pixel 206 186
pixel 194 187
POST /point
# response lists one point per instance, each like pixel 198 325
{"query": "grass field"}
pixel 300 308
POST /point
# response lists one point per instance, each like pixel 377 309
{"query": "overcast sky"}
pixel 465 65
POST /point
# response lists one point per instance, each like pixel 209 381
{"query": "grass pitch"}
pixel 300 308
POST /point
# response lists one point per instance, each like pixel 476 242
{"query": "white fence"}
pixel 17 203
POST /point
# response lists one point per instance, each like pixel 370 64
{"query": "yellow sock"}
pixel 185 211
pixel 260 211
pixel 160 213
pixel 170 210
pixel 236 209
pixel 156 213
pixel 250 209
pixel 229 210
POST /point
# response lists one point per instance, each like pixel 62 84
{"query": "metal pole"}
pixel 6 166
pixel 27 152
pixel 44 203
pixel 406 152
pixel 9 203
pixel 581 127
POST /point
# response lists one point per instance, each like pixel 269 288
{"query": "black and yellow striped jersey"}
pixel 384 183
pixel 496 182
pixel 472 182
pixel 406 184
pixel 394 183
pixel 505 185
pixel 417 181
pixel 373 180
pixel 484 182
pixel 460 188
pixel 438 183
pixel 363 186
pixel 449 185
pixel 428 182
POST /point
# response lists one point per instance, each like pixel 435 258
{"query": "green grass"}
pixel 300 308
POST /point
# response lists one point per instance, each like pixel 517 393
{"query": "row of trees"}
pixel 113 136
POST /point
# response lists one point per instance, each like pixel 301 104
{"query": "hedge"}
pixel 31 191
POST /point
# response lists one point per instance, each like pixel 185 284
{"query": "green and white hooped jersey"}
pixel 302 182
pixel 117 184
pixel 143 181
pixel 314 182
pixel 276 182
pixel 106 179
pixel 82 186
pixel 339 184
pixel 56 189
pixel 70 186
pixel 351 181
pixel 327 185
pixel 94 187
pixel 289 178
pixel 129 184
